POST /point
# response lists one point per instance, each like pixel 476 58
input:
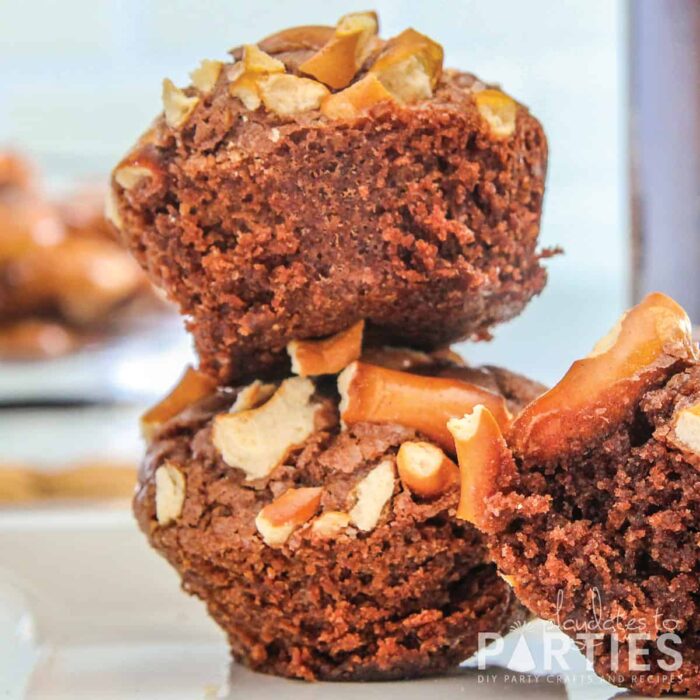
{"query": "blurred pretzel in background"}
pixel 64 282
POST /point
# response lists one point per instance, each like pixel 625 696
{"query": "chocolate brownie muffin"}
pixel 596 520
pixel 325 176
pixel 327 551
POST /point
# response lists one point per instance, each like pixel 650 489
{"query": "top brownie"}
pixel 325 176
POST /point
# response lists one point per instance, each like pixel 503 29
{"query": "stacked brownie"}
pixel 330 210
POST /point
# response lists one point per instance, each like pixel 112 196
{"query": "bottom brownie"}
pixel 395 589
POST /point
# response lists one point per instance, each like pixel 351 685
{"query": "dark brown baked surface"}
pixel 407 598
pixel 267 228
pixel 597 522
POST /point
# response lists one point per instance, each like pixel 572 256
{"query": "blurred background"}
pixel 81 79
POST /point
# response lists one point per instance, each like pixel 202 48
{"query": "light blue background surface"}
pixel 80 79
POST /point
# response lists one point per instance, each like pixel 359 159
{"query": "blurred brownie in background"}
pixel 63 281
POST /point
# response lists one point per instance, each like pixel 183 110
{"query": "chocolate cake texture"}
pixel 326 176
pixel 595 516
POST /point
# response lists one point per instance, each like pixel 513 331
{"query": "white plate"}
pixel 87 610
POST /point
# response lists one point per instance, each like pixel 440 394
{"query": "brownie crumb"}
pixel 606 538
pixel 266 229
